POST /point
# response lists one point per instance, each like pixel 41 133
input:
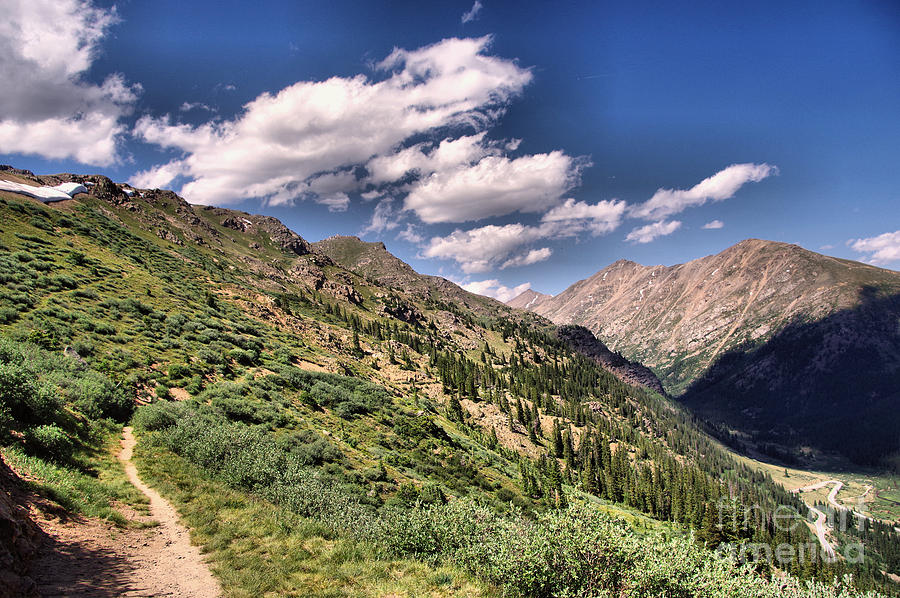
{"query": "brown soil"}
pixel 94 558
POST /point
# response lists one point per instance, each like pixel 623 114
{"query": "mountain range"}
pixel 321 416
pixel 777 344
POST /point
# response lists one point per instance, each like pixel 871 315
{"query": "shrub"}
pixel 49 441
pixel 178 371
pixel 8 315
pixel 26 401
pixel 97 397
pixel 159 415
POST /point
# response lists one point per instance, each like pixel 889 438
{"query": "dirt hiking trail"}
pixel 94 559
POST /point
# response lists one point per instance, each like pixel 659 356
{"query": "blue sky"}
pixel 498 144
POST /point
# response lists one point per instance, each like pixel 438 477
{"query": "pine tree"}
pixel 557 441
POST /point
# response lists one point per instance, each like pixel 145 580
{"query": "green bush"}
pixel 178 371
pixel 97 397
pixel 25 400
pixel 49 441
pixel 159 415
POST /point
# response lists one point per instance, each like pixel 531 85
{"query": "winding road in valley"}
pixel 820 516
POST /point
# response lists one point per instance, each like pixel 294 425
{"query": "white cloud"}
pixel 720 186
pixel 47 107
pixel 602 217
pixel 338 202
pixel 384 217
pixel 480 249
pixel 411 235
pixel 188 106
pixel 648 233
pixel 472 13
pixel 883 249
pixel 422 159
pixel 158 176
pixel 281 142
pixel 487 247
pixel 532 257
pixel 713 224
pixel 493 288
pixel 494 186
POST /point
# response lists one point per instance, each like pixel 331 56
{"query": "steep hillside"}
pixel 324 432
pixel 582 340
pixel 774 340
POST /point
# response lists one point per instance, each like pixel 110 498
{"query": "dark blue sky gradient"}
pixel 656 94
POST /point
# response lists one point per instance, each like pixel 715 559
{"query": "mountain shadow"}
pixel 831 384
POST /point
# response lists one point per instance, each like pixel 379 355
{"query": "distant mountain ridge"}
pixel 721 330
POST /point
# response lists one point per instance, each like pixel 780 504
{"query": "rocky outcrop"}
pixel 402 310
pixel 19 539
pixel 103 188
pixel 343 292
pixel 583 341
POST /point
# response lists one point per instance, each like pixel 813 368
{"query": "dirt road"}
pixel 92 558
pixel 820 516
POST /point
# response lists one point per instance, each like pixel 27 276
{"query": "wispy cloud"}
pixel 411 235
pixel 384 217
pixel 650 232
pixel 600 218
pixel 713 224
pixel 882 250
pixel 472 14
pixel 188 106
pixel 720 186
pixel 493 288
pixel 532 257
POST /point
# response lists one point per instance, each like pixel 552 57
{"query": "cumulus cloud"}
pixel 472 14
pixel 158 176
pixel 600 218
pixel 493 288
pixel 411 235
pixel 883 249
pixel 494 186
pixel 645 234
pixel 713 224
pixel 282 142
pixel 532 257
pixel 47 107
pixel 481 249
pixel 424 159
pixel 492 246
pixel 720 186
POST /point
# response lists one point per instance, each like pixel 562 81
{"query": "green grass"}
pixel 887 504
pixel 259 549
pixel 87 487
